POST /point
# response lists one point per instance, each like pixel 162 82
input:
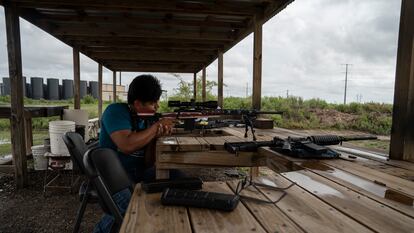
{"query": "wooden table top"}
pixel 34 111
pixel 350 194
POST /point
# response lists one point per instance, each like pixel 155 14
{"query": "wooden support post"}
pixel 203 86
pixel 100 91
pixel 257 65
pixel 76 78
pixel 18 139
pixel 114 87
pixel 220 80
pixel 195 87
pixel 402 132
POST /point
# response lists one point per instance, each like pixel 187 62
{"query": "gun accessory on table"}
pixel 302 147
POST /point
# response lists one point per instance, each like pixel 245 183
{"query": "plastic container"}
pixel 56 130
pixel 40 161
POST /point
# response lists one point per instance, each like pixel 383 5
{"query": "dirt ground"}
pixel 29 210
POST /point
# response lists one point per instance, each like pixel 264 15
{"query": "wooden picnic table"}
pixel 349 194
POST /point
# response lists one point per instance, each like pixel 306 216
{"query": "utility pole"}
pixel 287 93
pixel 346 80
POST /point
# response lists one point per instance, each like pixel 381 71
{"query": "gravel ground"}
pixel 29 210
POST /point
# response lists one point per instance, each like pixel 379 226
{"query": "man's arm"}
pixel 129 141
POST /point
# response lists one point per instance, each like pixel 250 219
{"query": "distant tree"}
pixel 184 91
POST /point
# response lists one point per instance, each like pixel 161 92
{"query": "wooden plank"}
pixel 18 139
pixel 146 214
pixel 215 143
pixel 360 185
pixel 219 158
pixel 205 146
pixel 257 65
pixel 306 210
pixel 114 87
pixel 366 211
pixel 239 220
pixel 76 78
pixel 167 144
pixel 402 132
pixel 383 167
pixel 100 92
pixel 203 85
pixel 390 181
pixel 195 87
pixel 28 134
pixel 269 216
pixel 188 144
pixel 220 80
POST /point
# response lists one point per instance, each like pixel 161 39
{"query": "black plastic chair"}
pixel 87 193
pixel 108 176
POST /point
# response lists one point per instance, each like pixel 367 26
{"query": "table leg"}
pixel 28 134
pixel 162 174
pixel 254 172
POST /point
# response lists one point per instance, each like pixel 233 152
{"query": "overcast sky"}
pixel 304 49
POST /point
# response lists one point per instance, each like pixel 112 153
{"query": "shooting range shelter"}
pixel 172 36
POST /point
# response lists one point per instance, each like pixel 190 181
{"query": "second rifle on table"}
pixel 301 147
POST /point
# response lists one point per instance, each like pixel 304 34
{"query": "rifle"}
pixel 302 147
pixel 210 108
pixel 205 110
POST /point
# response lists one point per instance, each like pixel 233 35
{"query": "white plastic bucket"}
pixel 56 130
pixel 40 161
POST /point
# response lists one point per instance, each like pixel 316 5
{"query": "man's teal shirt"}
pixel 117 117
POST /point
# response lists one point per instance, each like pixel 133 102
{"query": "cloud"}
pixel 304 47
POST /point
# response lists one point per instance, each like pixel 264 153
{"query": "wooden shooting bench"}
pixel 194 150
pixel 29 113
pixel 350 194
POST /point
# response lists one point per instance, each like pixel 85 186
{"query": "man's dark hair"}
pixel 144 88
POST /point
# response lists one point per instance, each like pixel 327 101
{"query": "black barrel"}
pixel 94 89
pixel 83 89
pixel 6 86
pixel 37 87
pixel 52 88
pixel 29 90
pixel 67 89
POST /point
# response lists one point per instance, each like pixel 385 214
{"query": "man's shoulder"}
pixel 117 107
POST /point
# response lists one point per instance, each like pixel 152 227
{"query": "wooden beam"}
pixel 220 80
pixel 159 69
pixel 114 87
pixel 18 139
pixel 100 91
pixel 76 78
pixel 125 31
pixel 195 87
pixel 137 56
pixel 402 133
pixel 130 19
pixel 241 8
pixel 203 86
pixel 257 66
